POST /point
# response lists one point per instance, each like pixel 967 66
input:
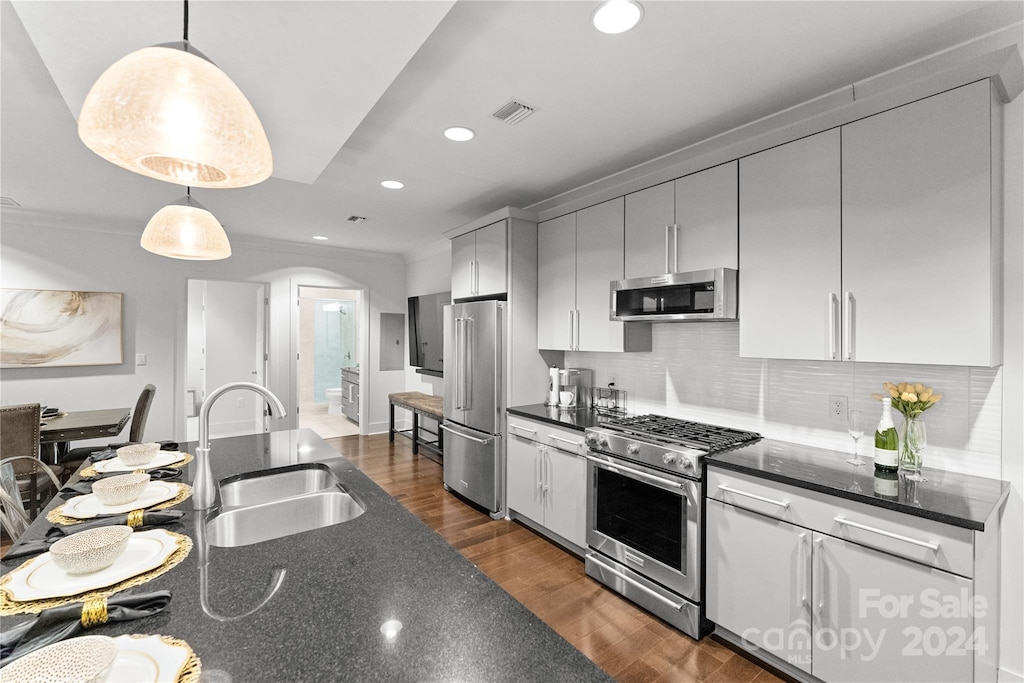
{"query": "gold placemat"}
pixel 90 471
pixel 8 606
pixel 56 516
pixel 192 668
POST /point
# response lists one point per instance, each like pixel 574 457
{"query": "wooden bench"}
pixel 420 405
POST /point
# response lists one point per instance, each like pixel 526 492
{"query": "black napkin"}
pixel 149 520
pixel 104 454
pixel 155 474
pixel 57 623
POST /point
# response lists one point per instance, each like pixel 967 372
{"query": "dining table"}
pixel 57 432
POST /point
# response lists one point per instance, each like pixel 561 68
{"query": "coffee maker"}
pixel 569 388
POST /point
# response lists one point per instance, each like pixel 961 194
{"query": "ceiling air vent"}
pixel 513 112
pixel 357 219
pixel 7 201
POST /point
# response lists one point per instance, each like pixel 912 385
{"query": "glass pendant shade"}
pixel 169 113
pixel 186 230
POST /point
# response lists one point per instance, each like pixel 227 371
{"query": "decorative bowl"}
pixel 86 658
pixel 124 488
pixel 92 550
pixel 138 454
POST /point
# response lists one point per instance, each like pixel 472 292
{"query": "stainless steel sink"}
pixel 256 488
pixel 278 518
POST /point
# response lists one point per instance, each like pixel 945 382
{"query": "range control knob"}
pixel 592 439
pixel 633 449
pixel 686 464
pixel 668 458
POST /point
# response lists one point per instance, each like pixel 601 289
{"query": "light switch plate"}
pixel 140 359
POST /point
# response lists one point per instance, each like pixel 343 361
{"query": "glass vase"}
pixel 913 440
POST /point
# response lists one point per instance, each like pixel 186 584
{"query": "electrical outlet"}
pixel 240 402
pixel 837 408
pixel 140 359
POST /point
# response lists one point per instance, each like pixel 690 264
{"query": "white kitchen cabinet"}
pixel 879 241
pixel 479 262
pixel 746 549
pixel 579 255
pixel 846 591
pixel 686 225
pixel 921 243
pixel 547 479
pixel 790 250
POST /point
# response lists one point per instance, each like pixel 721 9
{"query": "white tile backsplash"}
pixel 695 370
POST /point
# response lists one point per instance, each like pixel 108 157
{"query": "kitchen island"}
pixel 341 583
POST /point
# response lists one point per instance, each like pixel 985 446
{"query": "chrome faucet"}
pixel 202 484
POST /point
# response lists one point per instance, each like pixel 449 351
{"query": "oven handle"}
pixel 635 472
pixel 677 606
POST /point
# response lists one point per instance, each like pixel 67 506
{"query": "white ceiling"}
pixel 352 93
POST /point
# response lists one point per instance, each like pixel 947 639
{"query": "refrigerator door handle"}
pixel 456 432
pixel 466 369
pixel 458 363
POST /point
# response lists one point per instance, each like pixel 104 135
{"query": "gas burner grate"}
pixel 677 432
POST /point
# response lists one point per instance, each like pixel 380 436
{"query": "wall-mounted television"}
pixel 426 330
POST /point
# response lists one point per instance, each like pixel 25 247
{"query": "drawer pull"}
pixel 574 444
pixel 934 547
pixel 515 427
pixel 780 503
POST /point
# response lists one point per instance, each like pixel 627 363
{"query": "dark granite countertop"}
pixel 341 584
pixel 948 497
pixel 571 419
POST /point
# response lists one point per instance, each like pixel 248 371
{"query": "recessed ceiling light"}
pixel 392 184
pixel 459 134
pixel 617 16
pixel 319 237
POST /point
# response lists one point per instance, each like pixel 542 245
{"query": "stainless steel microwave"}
pixel 694 296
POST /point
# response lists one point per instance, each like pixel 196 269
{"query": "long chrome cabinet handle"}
pixel 520 428
pixel 570 330
pixel 802 576
pixel 636 473
pixel 848 325
pixel 818 582
pixel 575 444
pixel 678 606
pixel 668 248
pixel 934 547
pixel 780 503
pixel 675 248
pixel 577 347
pixel 833 319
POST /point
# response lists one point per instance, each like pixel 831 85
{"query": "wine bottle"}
pixel 887 443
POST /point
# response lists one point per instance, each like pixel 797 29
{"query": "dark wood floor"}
pixel 622 639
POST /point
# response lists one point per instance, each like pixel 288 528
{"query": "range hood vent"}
pixel 512 112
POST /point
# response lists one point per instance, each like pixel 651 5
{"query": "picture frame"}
pixel 60 328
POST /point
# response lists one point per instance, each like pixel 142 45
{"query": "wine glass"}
pixel 855 425
pixel 917 439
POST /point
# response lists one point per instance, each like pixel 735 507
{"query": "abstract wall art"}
pixel 53 328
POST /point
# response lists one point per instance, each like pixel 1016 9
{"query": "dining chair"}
pixel 13 517
pixel 74 458
pixel 19 438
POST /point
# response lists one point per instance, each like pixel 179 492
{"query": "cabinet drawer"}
pixel 914 538
pixel 568 440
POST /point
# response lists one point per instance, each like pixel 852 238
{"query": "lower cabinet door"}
pixel 523 477
pixel 880 618
pixel 566 512
pixel 759 582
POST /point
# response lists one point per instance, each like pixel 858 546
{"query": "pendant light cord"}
pixel 185 31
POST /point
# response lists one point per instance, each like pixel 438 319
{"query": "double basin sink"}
pixel 268 504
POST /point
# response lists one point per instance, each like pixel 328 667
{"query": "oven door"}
pixel 646 520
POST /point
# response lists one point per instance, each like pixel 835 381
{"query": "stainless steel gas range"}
pixel 644 511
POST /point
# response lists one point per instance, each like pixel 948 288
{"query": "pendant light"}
pixel 185 229
pixel 167 112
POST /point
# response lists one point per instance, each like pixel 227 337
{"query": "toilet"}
pixel 333 400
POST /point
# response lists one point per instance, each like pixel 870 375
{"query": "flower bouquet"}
pixel 911 399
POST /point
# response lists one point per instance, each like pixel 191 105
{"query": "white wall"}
pixel 38 252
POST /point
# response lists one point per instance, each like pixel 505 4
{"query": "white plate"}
pixel 43 579
pixel 75 659
pixel 146 660
pixel 115 464
pixel 89 505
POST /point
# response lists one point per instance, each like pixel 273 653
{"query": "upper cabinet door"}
pixel 790 286
pixel 650 214
pixel 599 235
pixel 492 260
pixel 707 219
pixel 920 247
pixel 463 265
pixel 556 282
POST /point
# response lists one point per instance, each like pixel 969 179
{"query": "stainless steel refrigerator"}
pixel 473 402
